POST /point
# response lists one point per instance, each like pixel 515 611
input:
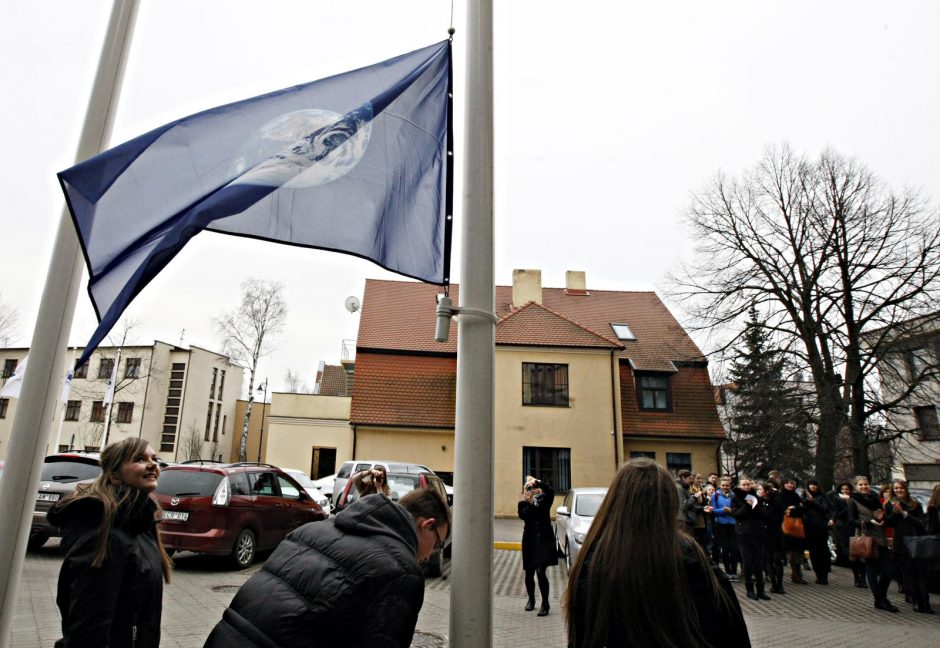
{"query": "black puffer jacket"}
pixel 352 580
pixel 106 606
pixel 749 521
pixel 538 537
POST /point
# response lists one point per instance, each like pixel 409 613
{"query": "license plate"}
pixel 49 497
pixel 178 516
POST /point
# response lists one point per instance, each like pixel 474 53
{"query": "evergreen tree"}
pixel 769 426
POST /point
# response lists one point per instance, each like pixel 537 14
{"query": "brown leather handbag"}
pixel 862 547
pixel 793 527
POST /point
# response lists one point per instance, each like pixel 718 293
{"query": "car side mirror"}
pixel 563 510
pixel 304 496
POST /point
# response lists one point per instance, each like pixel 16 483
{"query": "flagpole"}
pixel 471 591
pixel 41 388
pixel 109 395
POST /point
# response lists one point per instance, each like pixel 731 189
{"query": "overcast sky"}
pixel 608 114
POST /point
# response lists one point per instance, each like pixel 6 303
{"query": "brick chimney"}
pixel 575 283
pixel 526 287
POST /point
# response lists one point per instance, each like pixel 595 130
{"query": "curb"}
pixel 511 546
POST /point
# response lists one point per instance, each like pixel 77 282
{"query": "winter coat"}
pixel 352 580
pixel 109 605
pixel 933 520
pixel 719 502
pixel 816 512
pixel 912 522
pixel 861 514
pixel 840 515
pixel 773 523
pixel 538 537
pixel 788 499
pixel 750 522
pixel 721 625
pixel 688 511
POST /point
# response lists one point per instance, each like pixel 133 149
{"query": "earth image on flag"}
pixel 304 148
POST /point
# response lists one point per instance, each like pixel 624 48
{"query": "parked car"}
pixel 233 510
pixel 399 485
pixel 325 484
pixel 573 520
pixel 349 468
pixel 61 474
pixel 310 487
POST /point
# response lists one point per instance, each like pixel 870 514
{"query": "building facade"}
pixel 584 380
pixel 181 400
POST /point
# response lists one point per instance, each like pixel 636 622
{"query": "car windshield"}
pixel 65 470
pixel 401 485
pixel 587 505
pixel 345 471
pixel 301 478
pixel 192 483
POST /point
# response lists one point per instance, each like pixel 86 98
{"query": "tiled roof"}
pixel 692 396
pixel 533 324
pixel 332 381
pixel 404 390
pixel 400 315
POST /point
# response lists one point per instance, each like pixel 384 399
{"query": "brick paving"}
pixel 812 615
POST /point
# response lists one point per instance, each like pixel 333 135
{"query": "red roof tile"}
pixel 400 315
pixel 332 381
pixel 693 407
pixel 536 325
pixel 404 390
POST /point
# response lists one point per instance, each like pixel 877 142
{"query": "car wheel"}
pixel 243 553
pixel 36 541
pixel 567 556
pixel 435 565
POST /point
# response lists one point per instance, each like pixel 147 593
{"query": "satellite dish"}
pixel 352 304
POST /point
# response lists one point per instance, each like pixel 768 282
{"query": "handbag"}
pixel 925 547
pixel 862 547
pixel 793 527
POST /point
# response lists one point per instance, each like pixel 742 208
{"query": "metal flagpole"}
pixel 42 384
pixel 471 591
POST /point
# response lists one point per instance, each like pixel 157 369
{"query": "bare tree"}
pixel 8 319
pixel 294 384
pixel 827 252
pixel 193 445
pixel 250 332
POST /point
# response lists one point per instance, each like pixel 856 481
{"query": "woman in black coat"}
pixel 906 516
pixel 110 590
pixel 840 498
pixel 538 539
pixel 866 516
pixel 817 518
pixel 774 552
pixel 750 515
pixel 793 507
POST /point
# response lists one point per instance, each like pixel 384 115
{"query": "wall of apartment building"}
pixel 148 393
pixel 587 427
pixel 297 425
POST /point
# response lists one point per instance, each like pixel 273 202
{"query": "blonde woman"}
pixel 110 590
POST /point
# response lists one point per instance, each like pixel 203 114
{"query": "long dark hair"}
pixel 112 496
pixel 633 560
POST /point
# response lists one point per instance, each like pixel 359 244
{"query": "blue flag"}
pixel 357 163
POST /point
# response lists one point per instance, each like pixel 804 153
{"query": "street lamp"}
pixel 264 404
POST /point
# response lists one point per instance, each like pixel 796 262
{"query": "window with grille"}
pixel 125 412
pixel 544 384
pixel 72 410
pixel 552 465
pixel 676 461
pixel 105 367
pixel 81 372
pixel 97 412
pixel 132 368
pixel 927 422
pixel 653 392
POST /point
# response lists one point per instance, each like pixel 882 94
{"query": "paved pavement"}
pixel 836 615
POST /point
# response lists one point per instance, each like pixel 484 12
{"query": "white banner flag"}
pixel 108 397
pixel 13 384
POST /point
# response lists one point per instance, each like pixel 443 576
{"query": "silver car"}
pixel 574 518
pixel 310 487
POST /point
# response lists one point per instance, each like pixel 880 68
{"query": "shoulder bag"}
pixel 793 527
pixel 862 547
pixel 925 547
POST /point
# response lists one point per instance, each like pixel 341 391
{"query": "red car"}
pixel 233 510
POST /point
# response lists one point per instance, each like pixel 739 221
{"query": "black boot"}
pixel 543 611
pixel 760 591
pixel 750 591
pixel 530 604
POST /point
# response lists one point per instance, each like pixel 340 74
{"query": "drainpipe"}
pixel 618 436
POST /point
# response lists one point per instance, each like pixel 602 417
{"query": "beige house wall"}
pixel 298 423
pixel 431 448
pixel 588 426
pixel 704 459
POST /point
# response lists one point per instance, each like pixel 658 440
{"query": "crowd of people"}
pixel 764 527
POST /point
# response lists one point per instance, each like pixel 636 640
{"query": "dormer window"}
pixel 623 332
